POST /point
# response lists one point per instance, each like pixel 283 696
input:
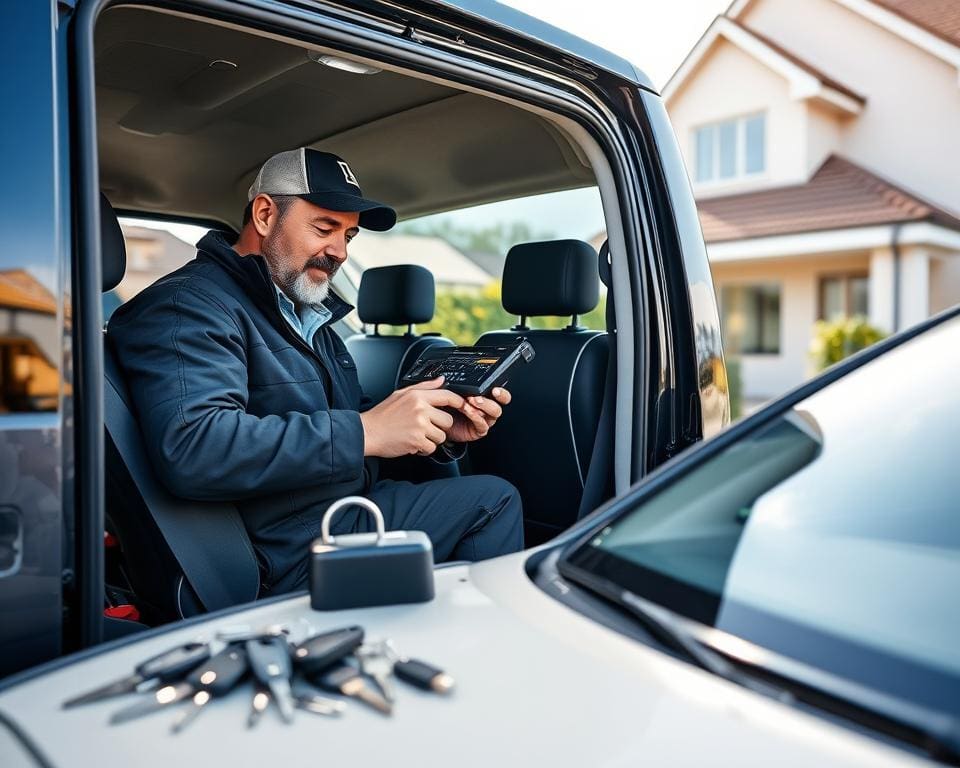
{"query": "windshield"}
pixel 831 535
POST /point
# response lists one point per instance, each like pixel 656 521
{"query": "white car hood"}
pixel 537 684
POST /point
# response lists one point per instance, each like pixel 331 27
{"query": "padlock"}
pixel 362 569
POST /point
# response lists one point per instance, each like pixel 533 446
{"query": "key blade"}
pixel 280 692
pixel 318 705
pixel 116 688
pixel 160 698
pixel 375 700
pixel 257 705
pixel 200 699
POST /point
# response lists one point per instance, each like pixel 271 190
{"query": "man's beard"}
pixel 296 283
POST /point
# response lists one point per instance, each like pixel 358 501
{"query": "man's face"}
pixel 305 247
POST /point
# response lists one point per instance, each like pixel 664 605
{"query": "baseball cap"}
pixel 323 179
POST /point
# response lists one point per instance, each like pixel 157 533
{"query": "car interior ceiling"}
pixel 188 110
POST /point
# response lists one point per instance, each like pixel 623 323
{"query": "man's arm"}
pixel 185 364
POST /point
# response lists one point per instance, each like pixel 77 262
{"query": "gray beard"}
pixel 304 290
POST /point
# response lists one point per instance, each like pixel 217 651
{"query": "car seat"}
pixel 544 441
pixel 395 295
pixel 182 557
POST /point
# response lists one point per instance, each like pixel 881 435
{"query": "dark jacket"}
pixel 235 406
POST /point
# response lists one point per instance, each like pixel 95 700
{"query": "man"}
pixel 245 393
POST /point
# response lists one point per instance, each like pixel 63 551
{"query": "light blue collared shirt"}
pixel 310 319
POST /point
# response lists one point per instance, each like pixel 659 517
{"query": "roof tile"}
pixel 840 195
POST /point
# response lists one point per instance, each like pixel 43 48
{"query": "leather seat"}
pixel 396 295
pixel 181 557
pixel 544 441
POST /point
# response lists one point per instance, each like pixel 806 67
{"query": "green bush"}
pixel 734 387
pixel 836 339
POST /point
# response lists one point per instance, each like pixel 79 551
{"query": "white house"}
pixel 821 139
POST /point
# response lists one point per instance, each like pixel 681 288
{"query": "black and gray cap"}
pixel 323 179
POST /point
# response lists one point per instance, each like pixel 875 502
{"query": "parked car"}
pixel 780 594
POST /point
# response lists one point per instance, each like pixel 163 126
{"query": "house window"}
pixel 751 319
pixel 730 149
pixel 844 296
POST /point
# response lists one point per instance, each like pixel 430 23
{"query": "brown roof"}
pixel 939 17
pixel 804 65
pixel 838 196
pixel 21 290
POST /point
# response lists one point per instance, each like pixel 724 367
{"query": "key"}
pixel 259 703
pixel 165 667
pixel 243 632
pixel 200 700
pixel 317 653
pixel 270 663
pixel 308 699
pixel 376 662
pixel 422 675
pixel 348 681
pixel 217 676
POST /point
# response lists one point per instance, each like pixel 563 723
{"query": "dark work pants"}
pixel 474 517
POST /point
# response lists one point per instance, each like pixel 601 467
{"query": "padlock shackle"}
pixel 350 501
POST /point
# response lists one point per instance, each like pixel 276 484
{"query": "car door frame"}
pixel 651 325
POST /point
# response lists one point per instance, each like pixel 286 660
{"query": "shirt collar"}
pixel 308 321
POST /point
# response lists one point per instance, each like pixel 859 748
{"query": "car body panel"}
pixel 503 16
pixel 536 683
pixel 34 395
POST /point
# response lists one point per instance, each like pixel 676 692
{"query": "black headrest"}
pixel 114 251
pixel 557 277
pixel 397 295
pixel 606 269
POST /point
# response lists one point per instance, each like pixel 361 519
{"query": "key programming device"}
pixel 469 370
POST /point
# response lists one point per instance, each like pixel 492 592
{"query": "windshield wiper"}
pixel 935 732
pixel 660 623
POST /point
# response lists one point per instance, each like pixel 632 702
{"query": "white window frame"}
pixel 740 173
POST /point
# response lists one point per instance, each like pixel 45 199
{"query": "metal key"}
pixel 317 653
pixel 376 662
pixel 349 681
pixel 259 703
pixel 271 665
pixel 310 700
pixel 165 667
pixel 217 677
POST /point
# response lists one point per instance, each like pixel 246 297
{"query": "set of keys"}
pixel 289 676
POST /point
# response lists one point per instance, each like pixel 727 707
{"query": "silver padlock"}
pixel 362 569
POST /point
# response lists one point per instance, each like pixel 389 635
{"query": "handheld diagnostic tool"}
pixel 469 370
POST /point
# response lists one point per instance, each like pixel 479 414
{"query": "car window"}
pixel 829 535
pixel 466 250
pixel 154 248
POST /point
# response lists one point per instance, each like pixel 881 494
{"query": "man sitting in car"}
pixel 245 393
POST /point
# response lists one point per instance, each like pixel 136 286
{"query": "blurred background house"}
pixel 820 140
pixel 29 365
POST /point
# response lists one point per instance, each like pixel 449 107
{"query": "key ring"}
pixel 348 501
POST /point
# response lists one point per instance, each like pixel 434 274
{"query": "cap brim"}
pixel 373 215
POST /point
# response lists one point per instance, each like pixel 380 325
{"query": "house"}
pixel 451 269
pixel 29 362
pixel 820 138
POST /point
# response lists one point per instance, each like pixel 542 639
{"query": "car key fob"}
pixel 319 652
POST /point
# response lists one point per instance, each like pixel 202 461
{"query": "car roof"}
pixel 518 22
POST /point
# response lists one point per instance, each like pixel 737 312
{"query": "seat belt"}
pixel 598 486
pixel 208 540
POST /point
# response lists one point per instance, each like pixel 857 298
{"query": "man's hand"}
pixel 410 421
pixel 467 427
